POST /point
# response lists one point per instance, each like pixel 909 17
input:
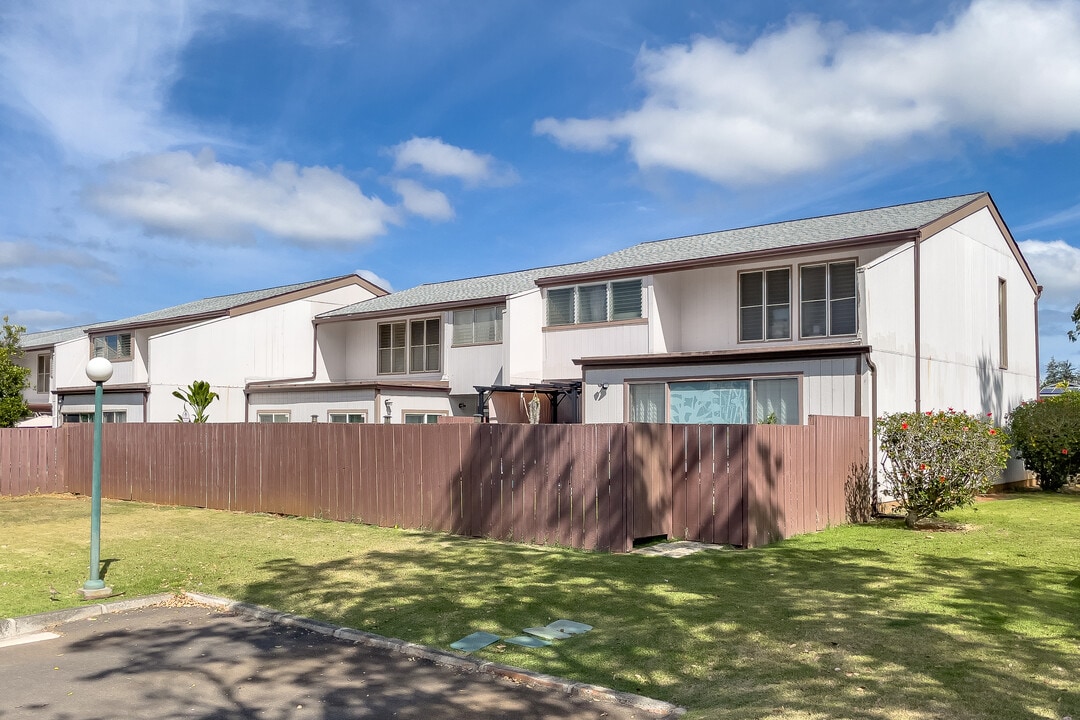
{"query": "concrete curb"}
pixel 10 627
pixel 662 710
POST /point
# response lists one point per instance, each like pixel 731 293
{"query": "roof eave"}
pixel 719 357
pixel 412 309
pixel 714 260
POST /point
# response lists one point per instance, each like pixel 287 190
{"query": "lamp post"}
pixel 99 370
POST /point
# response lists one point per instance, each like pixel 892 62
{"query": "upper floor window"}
pixel 44 372
pixel 1003 324
pixel 113 347
pixel 765 305
pixel 828 299
pixel 599 302
pixel 422 352
pixel 478 326
pixel 424 346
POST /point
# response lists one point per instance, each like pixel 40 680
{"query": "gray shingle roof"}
pixel 48 338
pixel 792 233
pixel 476 288
pixel 219 304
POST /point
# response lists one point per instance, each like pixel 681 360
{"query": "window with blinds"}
pixel 391 348
pixel 828 303
pixel 44 372
pixel 595 303
pixel 113 347
pixel 424 345
pixel 478 326
pixel 765 305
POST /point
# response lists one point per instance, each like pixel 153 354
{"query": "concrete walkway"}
pixel 192 661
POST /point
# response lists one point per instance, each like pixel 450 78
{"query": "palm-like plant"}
pixel 199 396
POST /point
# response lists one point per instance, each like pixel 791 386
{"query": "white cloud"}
pixel 436 157
pixel 182 194
pixel 809 95
pixel 1056 265
pixel 422 201
pixel 48 253
pixel 379 280
pixel 37 320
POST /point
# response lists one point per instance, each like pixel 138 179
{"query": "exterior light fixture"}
pixel 99 370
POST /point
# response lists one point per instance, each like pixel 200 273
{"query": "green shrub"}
pixel 937 461
pixel 1047 436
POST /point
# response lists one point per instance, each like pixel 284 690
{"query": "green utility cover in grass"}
pixel 569 626
pixel 547 633
pixel 475 641
pixel 526 641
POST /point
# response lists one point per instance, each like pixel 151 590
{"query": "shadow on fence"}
pixel 596 487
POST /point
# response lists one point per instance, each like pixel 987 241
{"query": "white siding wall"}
pixel 564 344
pixel 131 403
pixel 471 365
pixel 828 386
pixel 523 338
pixel 302 405
pixel 69 363
pixel 30 394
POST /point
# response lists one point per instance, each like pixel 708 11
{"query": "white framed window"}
pixel 595 303
pixel 107 416
pixel 347 417
pixel 425 348
pixel 112 347
pixel 274 416
pixel 478 326
pixel 736 401
pixel 827 299
pixel 391 348
pixel 422 418
pixel 44 373
pixel 765 305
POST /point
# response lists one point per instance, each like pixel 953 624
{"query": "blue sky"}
pixel 158 152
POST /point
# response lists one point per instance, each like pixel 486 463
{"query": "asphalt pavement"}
pixel 189 661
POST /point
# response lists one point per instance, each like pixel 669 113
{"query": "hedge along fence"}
pixel 595 487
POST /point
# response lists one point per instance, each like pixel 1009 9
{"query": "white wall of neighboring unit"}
pixel 563 344
pixel 523 338
pixel 69 363
pixel 828 386
pixel 31 360
pixel 471 365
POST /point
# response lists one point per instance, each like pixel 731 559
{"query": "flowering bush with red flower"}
pixel 1047 436
pixel 939 460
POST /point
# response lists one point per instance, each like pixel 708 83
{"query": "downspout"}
pixel 918 325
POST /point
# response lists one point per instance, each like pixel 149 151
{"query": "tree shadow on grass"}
pixel 791 629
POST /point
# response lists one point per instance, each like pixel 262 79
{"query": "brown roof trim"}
pixel 726 357
pixel 983 201
pixel 415 309
pixel 308 292
pixel 98 330
pixel 89 389
pixel 714 260
pixel 277 386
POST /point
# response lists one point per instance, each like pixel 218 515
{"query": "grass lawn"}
pixel 870 621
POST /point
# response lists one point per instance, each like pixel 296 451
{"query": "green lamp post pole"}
pixel 98 370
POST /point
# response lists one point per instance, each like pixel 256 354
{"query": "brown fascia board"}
pixel 309 291
pixel 726 357
pixel 89 389
pixel 276 386
pixel 715 260
pixel 413 310
pixel 983 201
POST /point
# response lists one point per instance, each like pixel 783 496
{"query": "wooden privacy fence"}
pixel 585 486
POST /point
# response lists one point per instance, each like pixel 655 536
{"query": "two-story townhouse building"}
pixel 227 341
pixel 911 307
pixel 39 356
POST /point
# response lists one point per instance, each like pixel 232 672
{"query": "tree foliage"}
pixel 937 461
pixel 198 396
pixel 1047 436
pixel 1075 332
pixel 1060 372
pixel 13 407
